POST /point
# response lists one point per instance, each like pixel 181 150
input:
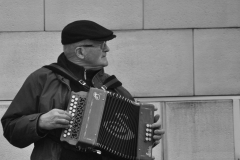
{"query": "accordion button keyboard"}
pixel 148 132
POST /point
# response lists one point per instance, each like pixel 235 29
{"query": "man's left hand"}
pixel 157 130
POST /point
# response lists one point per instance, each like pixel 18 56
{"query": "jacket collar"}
pixel 75 69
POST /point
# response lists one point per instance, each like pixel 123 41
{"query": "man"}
pixel 37 113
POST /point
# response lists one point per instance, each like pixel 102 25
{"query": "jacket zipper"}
pixel 85 74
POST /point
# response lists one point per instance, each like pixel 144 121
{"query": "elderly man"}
pixel 38 112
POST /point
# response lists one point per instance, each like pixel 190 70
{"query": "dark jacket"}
pixel 42 91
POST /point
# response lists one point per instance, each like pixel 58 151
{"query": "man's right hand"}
pixel 55 118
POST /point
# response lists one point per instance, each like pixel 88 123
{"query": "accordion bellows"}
pixel 111 123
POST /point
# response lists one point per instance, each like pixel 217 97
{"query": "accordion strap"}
pixel 111 82
pixel 59 70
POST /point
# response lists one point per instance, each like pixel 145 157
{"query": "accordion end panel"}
pixel 145 142
pixel 76 109
pixel 87 114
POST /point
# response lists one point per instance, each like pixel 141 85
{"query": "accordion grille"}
pixel 118 133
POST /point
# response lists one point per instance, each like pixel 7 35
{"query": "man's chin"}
pixel 98 67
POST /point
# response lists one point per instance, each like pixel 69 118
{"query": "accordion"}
pixel 110 123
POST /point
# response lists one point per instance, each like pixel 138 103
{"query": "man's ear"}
pixel 79 52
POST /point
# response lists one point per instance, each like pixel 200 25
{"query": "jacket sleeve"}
pixel 122 91
pixel 20 120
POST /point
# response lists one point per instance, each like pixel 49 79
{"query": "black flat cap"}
pixel 85 29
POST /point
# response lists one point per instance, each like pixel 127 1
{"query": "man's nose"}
pixel 106 48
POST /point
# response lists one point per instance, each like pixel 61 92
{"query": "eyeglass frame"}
pixel 102 46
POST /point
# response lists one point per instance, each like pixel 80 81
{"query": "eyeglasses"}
pixel 102 45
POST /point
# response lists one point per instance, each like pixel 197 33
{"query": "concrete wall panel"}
pixel 191 13
pixel 217 61
pixel 199 130
pixel 149 63
pixel 113 14
pixel 153 63
pixel 8 151
pixel 24 15
pixel 23 53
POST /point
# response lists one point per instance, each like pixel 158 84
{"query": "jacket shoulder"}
pixel 42 74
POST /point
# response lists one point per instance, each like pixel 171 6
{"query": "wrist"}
pixel 41 132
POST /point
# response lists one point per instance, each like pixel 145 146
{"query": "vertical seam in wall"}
pixel 193 62
pixel 44 16
pixel 143 14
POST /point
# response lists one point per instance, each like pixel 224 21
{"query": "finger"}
pixel 68 114
pixel 60 111
pixel 159 132
pixel 157 137
pixel 156 117
pixel 64 115
pixel 62 121
pixel 60 126
pixel 156 126
pixel 63 112
pixel 156 143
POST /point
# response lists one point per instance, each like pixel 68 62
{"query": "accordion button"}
pixel 70 108
pixel 64 135
pixel 75 102
pixel 74 106
pixel 73 96
pixel 65 131
pixel 70 126
pixel 73 114
pixel 71 104
pixel 76 99
pixel 71 122
pixel 146 139
pixel 69 130
pixel 72 100
pixel 68 134
pixel 147 125
pixel 74 110
pixel 70 112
